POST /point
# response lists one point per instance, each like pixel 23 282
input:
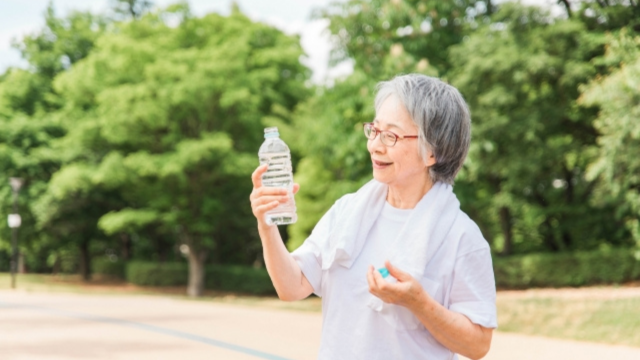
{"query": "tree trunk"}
pixel 161 248
pixel 550 237
pixel 22 266
pixel 56 265
pixel 196 273
pixel 567 6
pixel 85 261
pixel 507 233
pixel 126 246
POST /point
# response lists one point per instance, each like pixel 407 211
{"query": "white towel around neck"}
pixel 420 237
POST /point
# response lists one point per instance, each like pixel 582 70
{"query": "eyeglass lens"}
pixel 386 137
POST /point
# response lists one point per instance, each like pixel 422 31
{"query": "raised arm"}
pixel 287 278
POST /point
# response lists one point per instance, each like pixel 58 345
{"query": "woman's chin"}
pixel 382 178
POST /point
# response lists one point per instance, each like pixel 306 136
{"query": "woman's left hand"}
pixel 406 292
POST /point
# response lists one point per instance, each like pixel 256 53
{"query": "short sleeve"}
pixel 473 292
pixel 308 257
pixel 309 254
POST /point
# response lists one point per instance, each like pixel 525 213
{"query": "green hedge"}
pixel 613 266
pixel 104 266
pixel 157 274
pixel 239 278
pixel 217 277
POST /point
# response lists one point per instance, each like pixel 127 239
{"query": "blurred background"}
pixel 133 126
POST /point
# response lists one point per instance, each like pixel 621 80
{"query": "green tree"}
pixel 131 9
pixel 366 30
pixel 617 165
pixel 531 141
pixel 520 69
pixel 606 15
pixel 28 128
pixel 170 119
pixel 62 42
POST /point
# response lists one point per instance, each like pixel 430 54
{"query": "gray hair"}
pixel 442 117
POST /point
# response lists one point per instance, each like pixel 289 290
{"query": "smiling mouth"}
pixel 380 163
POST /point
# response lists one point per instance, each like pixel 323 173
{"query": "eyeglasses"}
pixel 387 137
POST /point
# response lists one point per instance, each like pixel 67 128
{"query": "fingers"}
pixel 379 280
pixel 267 191
pixel 259 211
pixel 375 280
pixel 261 204
pixel 256 177
pixel 396 273
pixel 263 200
pixel 373 287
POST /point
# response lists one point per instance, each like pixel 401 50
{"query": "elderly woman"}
pixel 403 273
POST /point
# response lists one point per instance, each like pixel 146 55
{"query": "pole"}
pixel 14 243
pixel 14 222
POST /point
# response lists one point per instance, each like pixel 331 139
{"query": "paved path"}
pixel 71 326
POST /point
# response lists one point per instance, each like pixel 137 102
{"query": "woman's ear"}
pixel 431 159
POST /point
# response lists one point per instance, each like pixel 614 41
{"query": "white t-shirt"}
pixel 352 330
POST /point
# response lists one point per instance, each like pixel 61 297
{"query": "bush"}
pixel 104 266
pixel 65 261
pixel 157 274
pixel 5 261
pixel 217 277
pixel 612 266
pixel 239 278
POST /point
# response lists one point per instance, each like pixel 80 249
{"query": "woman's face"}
pixel 399 164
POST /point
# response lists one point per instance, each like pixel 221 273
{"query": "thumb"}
pixel 296 187
pixel 397 273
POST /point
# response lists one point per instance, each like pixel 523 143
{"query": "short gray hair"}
pixel 442 117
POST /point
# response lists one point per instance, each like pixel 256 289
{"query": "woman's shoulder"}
pixel 342 202
pixel 346 199
pixel 469 235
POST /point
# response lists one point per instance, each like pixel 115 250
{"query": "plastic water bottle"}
pixel 279 174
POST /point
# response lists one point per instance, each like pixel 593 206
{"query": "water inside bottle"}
pixel 279 175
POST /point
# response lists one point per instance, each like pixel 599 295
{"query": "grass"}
pixel 611 321
pixel 607 314
pixel 64 283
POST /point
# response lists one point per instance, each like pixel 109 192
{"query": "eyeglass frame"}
pixel 378 132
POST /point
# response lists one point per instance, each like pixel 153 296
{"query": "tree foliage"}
pixel 617 163
pixel 532 142
pixel 366 30
pixel 151 128
pixel 520 69
pixel 30 126
pixel 164 124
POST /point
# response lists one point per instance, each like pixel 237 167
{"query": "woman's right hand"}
pixel 264 199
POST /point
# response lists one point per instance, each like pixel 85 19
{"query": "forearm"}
pixel 287 278
pixel 453 330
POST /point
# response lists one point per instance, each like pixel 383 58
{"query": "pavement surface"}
pixel 87 326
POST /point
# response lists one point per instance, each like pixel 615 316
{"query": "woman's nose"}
pixel 376 145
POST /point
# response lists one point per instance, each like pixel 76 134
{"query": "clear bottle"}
pixel 279 174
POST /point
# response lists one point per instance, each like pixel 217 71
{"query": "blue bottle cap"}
pixel 384 272
pixel 271 132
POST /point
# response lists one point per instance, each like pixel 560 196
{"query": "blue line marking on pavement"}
pixel 147 327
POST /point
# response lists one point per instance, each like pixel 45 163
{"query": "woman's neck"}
pixel 409 195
